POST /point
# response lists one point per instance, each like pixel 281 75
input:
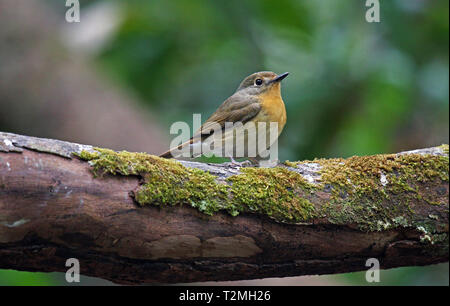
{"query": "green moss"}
pixel 372 192
pixel 376 192
pixel 365 172
pixel 291 164
pixel 276 192
pixel 161 179
pixel 273 192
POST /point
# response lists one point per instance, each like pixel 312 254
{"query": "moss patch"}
pixel 375 193
pixel 166 182
pixel 276 192
pixel 273 192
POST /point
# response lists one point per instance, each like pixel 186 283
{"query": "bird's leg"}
pixel 265 162
pixel 239 164
pixel 254 160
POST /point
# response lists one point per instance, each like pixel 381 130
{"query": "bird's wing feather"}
pixel 234 109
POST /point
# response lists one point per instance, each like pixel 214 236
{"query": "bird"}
pixel 257 103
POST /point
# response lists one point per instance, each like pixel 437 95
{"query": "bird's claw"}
pixel 245 163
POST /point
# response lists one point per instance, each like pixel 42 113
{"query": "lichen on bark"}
pixel 381 192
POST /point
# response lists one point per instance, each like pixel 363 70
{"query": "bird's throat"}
pixel 273 106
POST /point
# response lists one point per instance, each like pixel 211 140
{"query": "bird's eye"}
pixel 258 82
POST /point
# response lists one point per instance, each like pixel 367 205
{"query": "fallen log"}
pixel 136 218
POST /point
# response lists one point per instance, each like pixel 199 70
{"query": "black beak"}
pixel 279 77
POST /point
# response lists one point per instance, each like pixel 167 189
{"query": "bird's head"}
pixel 260 82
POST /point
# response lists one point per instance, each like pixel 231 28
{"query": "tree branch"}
pixel 136 218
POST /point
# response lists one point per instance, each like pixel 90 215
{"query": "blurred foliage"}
pixel 408 276
pixel 19 278
pixel 355 87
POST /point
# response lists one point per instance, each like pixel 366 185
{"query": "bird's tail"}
pixel 167 154
pixel 177 151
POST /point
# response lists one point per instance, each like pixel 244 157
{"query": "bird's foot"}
pixel 234 163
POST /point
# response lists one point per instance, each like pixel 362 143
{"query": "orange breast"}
pixel 273 107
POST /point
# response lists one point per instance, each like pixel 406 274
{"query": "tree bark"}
pixel 55 205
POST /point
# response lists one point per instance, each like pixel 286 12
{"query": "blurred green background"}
pixel 355 87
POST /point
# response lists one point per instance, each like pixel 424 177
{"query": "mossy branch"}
pixel 134 217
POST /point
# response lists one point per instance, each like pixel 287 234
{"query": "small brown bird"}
pixel 257 100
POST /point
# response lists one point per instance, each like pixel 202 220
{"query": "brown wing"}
pixel 234 109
